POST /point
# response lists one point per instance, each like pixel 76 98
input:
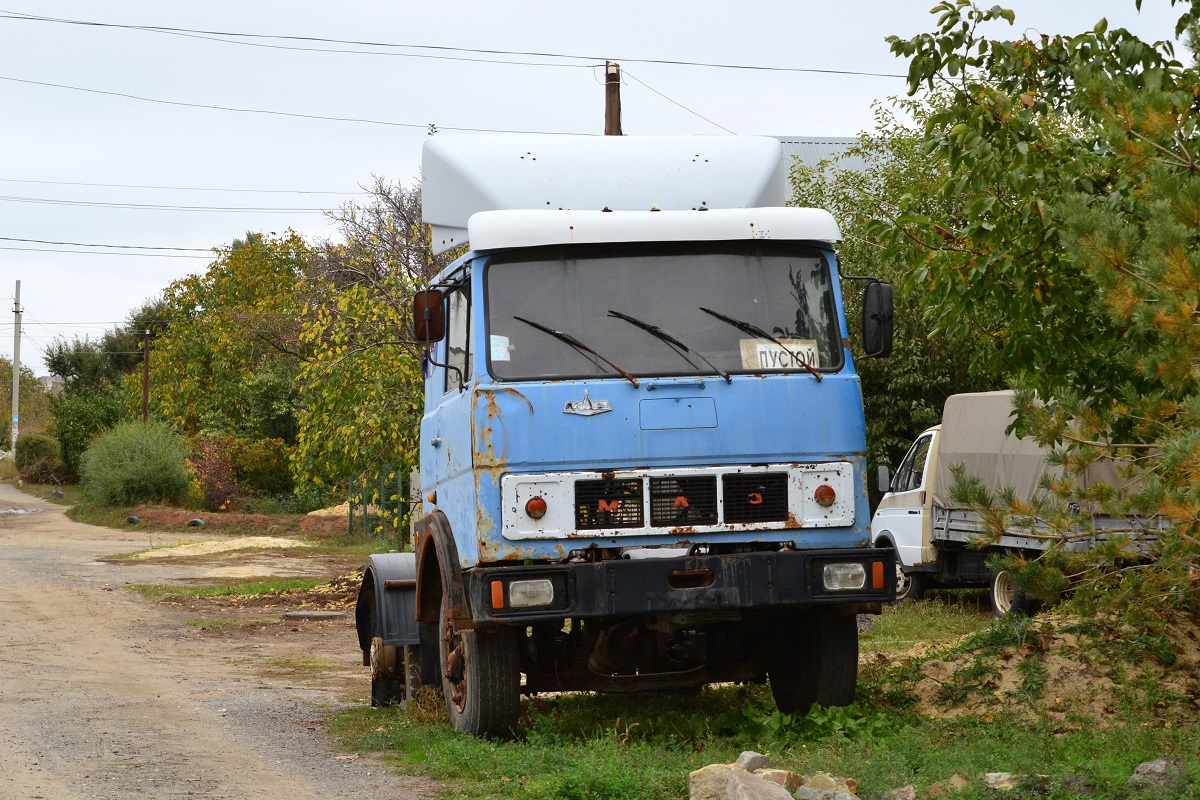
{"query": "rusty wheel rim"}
pixel 456 673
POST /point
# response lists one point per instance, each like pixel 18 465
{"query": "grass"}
pixel 207 624
pixel 642 747
pixel 156 591
pixel 72 493
pixel 104 516
pixel 300 665
pixel 942 617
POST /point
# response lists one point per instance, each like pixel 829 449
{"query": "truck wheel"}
pixel 395 673
pixel 387 685
pixel 815 661
pixel 481 678
pixel 909 585
pixel 1007 597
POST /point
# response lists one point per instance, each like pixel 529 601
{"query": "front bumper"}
pixel 740 582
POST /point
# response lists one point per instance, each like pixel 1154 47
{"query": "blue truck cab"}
pixel 642 450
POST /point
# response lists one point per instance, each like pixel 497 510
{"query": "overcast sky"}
pixel 183 168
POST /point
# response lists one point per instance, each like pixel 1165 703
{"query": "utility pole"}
pixel 16 365
pixel 612 98
pixel 146 376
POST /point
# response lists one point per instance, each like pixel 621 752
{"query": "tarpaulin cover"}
pixel 973 434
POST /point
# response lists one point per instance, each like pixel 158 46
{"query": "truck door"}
pixel 446 432
pixel 902 514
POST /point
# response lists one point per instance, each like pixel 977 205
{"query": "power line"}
pixel 426 126
pixel 177 188
pixel 120 246
pixel 70 324
pixel 441 48
pixel 628 74
pixel 98 252
pixel 155 206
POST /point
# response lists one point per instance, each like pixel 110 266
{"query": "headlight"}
pixel 528 594
pixel 844 577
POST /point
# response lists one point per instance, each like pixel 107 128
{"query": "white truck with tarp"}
pixel 942 543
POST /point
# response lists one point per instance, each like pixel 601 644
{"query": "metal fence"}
pixel 381 503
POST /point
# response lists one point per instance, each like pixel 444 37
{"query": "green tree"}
pixel 362 388
pixel 81 414
pixel 904 394
pixel 36 416
pixel 87 364
pixel 228 359
pixel 1077 250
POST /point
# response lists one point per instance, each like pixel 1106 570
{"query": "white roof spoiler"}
pixel 468 173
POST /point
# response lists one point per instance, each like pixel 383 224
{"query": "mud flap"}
pixel 387 603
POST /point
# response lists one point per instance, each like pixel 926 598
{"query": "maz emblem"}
pixel 587 407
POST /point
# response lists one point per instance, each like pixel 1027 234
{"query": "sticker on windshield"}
pixel 500 348
pixel 760 354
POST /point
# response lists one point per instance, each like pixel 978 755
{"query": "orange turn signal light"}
pixel 825 495
pixel 497 594
pixel 876 575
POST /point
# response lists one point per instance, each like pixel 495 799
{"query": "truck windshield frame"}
pixel 785 288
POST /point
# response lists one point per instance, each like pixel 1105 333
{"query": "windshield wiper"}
pixel 754 330
pixel 673 341
pixel 578 345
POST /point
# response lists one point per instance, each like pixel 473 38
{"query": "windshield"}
pixel 647 309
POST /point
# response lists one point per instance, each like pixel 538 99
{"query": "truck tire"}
pixel 815 661
pixel 387 670
pixel 1007 598
pixel 481 678
pixel 909 585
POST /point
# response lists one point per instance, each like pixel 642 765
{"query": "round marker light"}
pixel 825 495
pixel 535 507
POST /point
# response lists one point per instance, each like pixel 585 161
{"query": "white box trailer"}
pixel 935 537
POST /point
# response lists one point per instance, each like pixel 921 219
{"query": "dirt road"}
pixel 106 695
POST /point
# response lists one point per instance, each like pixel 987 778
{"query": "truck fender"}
pixel 438 573
pixel 387 602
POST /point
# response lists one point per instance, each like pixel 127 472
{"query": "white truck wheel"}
pixel 1007 597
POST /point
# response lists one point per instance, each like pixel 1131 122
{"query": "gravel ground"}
pixel 106 695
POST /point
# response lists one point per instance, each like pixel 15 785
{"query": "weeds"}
pixel 154 591
pixel 1033 674
pixel 758 720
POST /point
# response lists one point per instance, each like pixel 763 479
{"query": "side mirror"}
pixel 429 316
pixel 878 320
pixel 883 478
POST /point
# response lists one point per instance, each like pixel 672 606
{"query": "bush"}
pixel 262 466
pixel 33 447
pixel 135 463
pixel 46 471
pixel 212 468
pixel 79 416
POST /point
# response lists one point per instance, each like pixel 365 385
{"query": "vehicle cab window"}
pixel 458 339
pixel 911 474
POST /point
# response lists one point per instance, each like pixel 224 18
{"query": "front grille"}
pixel 608 504
pixel 679 502
pixel 755 497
